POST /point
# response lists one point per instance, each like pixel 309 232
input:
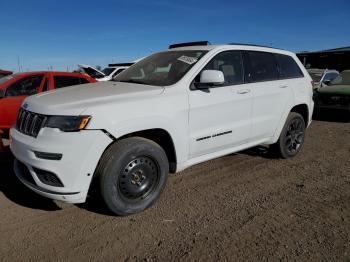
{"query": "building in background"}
pixel 337 58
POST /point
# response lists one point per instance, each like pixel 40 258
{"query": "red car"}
pixel 15 88
pixel 4 73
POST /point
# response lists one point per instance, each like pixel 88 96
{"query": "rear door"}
pixel 219 117
pixel 14 96
pixel 270 93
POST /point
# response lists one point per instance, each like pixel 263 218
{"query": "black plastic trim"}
pixel 48 156
pixel 17 165
pixel 121 64
pixel 197 43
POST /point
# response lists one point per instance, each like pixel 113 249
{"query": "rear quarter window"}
pixel 288 68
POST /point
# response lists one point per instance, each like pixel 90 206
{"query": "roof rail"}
pixel 197 43
pixel 255 45
pixel 121 64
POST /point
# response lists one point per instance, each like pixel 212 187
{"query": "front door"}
pixel 219 117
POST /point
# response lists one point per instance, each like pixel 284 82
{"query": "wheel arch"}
pixel 303 110
pixel 158 135
pixel 162 138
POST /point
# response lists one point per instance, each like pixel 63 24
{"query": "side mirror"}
pixel 2 93
pixel 213 77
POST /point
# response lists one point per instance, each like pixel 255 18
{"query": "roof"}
pixel 44 72
pixel 233 47
pixel 22 74
pixel 206 45
pixel 346 48
pixel 5 72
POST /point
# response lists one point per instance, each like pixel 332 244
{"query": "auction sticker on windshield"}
pixel 187 59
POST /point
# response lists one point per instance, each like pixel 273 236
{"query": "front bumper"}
pixel 80 152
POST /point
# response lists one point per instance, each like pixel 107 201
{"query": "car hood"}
pixel 92 71
pixel 76 99
pixel 335 90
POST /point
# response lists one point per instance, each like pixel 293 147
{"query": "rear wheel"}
pixel 132 174
pixel 291 138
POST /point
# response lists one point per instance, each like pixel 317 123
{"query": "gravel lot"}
pixel 244 207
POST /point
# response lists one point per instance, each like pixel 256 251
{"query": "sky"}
pixel 58 35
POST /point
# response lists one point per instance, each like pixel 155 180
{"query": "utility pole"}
pixel 18 64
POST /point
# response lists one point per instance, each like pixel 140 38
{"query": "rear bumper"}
pixel 80 152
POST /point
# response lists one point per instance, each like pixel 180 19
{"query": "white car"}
pixel 173 109
pixel 107 73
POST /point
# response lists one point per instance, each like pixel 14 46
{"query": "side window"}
pixel 231 64
pixel 46 85
pixel 288 67
pixel 25 87
pixel 261 66
pixel 63 81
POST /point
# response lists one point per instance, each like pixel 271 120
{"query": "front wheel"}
pixel 132 174
pixel 291 138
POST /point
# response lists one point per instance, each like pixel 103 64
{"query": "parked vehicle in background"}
pixel 322 77
pixel 4 73
pixel 15 88
pixel 173 109
pixel 336 95
pixel 106 74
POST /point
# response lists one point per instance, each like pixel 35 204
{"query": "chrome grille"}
pixel 30 123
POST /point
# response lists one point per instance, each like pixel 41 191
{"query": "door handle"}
pixel 243 91
pixel 283 86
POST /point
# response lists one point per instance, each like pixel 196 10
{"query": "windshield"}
pixel 161 69
pixel 342 79
pixel 108 70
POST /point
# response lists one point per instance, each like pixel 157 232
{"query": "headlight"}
pixel 68 123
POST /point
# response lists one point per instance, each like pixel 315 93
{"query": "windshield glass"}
pixel 342 79
pixel 108 70
pixel 6 78
pixel 161 69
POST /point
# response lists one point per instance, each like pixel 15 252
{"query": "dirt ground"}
pixel 242 207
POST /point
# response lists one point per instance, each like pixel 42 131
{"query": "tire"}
pixel 291 138
pixel 132 174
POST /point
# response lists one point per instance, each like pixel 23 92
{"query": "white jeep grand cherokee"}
pixel 171 110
